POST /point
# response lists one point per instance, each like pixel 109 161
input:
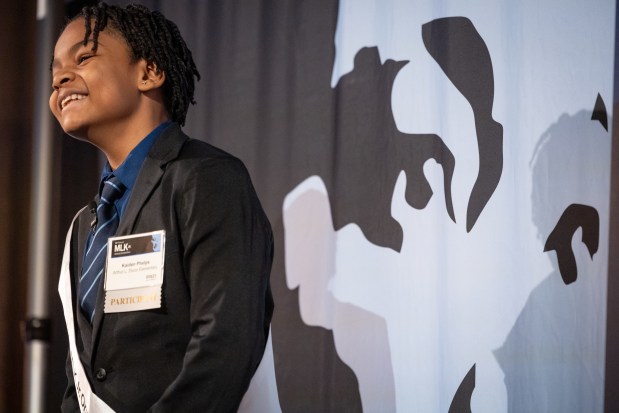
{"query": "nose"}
pixel 61 77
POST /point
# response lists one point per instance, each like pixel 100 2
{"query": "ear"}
pixel 151 77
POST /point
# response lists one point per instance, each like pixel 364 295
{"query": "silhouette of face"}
pixel 451 294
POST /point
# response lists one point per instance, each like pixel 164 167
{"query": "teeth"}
pixel 70 98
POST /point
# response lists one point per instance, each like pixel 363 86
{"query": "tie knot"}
pixel 112 190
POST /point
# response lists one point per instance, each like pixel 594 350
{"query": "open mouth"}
pixel 70 99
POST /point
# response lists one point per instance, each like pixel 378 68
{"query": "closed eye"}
pixel 83 58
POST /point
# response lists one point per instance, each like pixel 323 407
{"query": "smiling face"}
pixel 95 94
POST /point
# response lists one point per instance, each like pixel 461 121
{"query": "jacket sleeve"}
pixel 227 255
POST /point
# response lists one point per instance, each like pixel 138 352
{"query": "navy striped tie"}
pixel 94 259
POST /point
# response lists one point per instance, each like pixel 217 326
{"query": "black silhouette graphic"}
pixel 366 128
pixel 599 112
pixel 461 403
pixel 560 239
pixel 346 135
pixel 460 51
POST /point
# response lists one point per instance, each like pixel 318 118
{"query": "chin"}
pixel 76 131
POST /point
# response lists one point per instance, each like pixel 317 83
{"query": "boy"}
pixel 175 316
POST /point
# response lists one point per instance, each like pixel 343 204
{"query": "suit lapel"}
pixel 165 149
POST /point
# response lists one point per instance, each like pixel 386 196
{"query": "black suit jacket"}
pixel 198 352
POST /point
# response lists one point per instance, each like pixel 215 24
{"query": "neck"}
pixel 117 141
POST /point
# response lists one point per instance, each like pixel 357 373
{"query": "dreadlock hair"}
pixel 154 38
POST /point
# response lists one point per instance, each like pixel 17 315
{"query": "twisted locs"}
pixel 154 38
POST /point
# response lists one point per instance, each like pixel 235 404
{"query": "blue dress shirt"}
pixel 128 171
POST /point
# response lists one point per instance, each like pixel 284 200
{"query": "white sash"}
pixel 87 400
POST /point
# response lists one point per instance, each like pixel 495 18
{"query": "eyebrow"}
pixel 72 51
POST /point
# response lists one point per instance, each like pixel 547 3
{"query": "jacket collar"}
pixel 164 150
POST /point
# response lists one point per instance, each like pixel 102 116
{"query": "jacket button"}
pixel 100 375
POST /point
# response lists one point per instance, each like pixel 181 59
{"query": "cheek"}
pixel 122 96
pixel 52 104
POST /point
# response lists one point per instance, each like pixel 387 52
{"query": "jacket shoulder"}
pixel 201 158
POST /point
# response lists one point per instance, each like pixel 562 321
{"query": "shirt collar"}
pixel 128 171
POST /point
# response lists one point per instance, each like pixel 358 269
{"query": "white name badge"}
pixel 134 272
